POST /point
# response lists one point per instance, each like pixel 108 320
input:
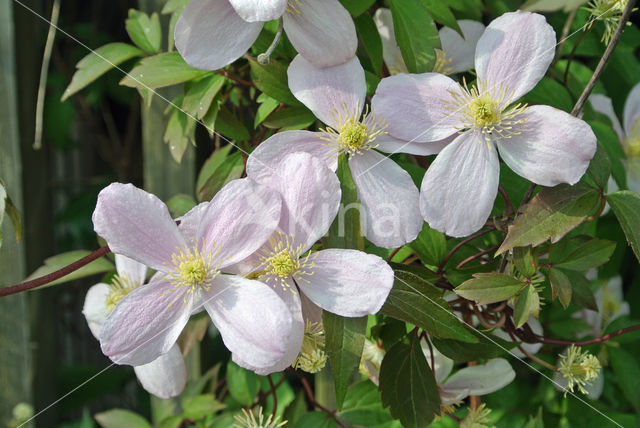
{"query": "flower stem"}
pixel 551 341
pixel 264 58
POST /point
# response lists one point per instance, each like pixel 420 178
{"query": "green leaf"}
pixel 430 245
pixel 416 34
pixel 343 344
pixel 600 167
pixel 487 346
pixel 560 286
pixel 608 139
pixel 550 92
pixel 144 31
pixel 290 118
pixel 118 418
pixel 266 107
pixel 627 371
pixel 229 126
pixel 199 406
pixel 229 170
pixel 345 230
pixel 442 14
pixel 272 80
pixel 551 214
pixel 525 260
pixel 316 420
pixel 356 7
pixel 581 294
pixel 415 300
pixel 161 70
pixel 363 406
pixel 98 63
pixel 243 384
pixel 370 39
pixel 200 94
pixel 14 215
pixel 59 261
pixel 592 253
pixel 211 164
pixel 170 422
pixel 626 207
pixel 180 204
pixel 487 288
pixel 407 385
pixel 528 304
pixel 179 132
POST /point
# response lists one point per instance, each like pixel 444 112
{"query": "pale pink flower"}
pixel 164 377
pixel 253 321
pixel 349 283
pixel 542 144
pixel 390 215
pixel 213 33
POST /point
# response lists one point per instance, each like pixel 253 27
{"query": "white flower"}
pixel 579 369
pixel 611 305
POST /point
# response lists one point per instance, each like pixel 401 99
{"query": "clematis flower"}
pixel 611 305
pixel 253 321
pixel 629 134
pixel 348 283
pixel 578 369
pixel 542 144
pixel 164 377
pixel 455 56
pixel 213 33
pixel 390 216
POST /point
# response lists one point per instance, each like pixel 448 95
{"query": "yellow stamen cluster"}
pixel 477 418
pixel 192 268
pixel 280 260
pixel 579 368
pixel 443 63
pixel 352 134
pixel 608 12
pixel 120 287
pixel 312 357
pixel 447 409
pixel 292 7
pixel 485 111
pixel 255 419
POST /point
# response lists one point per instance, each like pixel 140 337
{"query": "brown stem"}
pixel 393 253
pixel 476 256
pixel 28 285
pixel 531 356
pixel 551 341
pixel 565 32
pixel 228 75
pixel 604 60
pixel 507 201
pixel 573 51
pixel 275 398
pixel 312 398
pixel 460 245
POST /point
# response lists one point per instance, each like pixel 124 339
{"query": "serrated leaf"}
pixel 344 340
pixel 199 406
pixel 98 63
pixel 272 80
pixel 231 169
pixel 487 288
pixel 600 168
pixel 591 254
pixel 487 346
pixel 161 70
pixel 551 214
pixel 229 126
pixel 200 94
pixel 525 260
pixel 59 261
pixel 363 405
pixel 608 139
pixel 243 384
pixel 415 300
pixel 527 305
pixel 407 385
pixel 416 34
pixel 144 31
pixel 626 207
pixel 430 245
pixel 118 418
pixel 370 39
pixel 442 14
pixel 560 286
pixel 345 229
pixel 290 118
pixel 266 107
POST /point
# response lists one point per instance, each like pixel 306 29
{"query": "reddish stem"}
pixel 551 341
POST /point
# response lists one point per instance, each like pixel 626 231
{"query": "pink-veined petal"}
pixel 254 322
pixel 190 222
pixel 514 52
pixel 134 271
pixel 631 112
pixel 136 224
pixel 553 147
pixel 417 107
pixel 387 143
pixel 259 10
pixel 602 104
pixel 146 323
pixel 460 186
pixel 329 92
pixel 271 151
pixel 239 219
pixel 389 212
pixel 481 379
pixel 390 51
pixel 210 34
pixel 164 377
pixel 95 307
pixel 460 50
pixel 322 31
pixel 348 283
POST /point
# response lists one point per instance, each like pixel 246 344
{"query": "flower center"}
pixel 283 264
pixel 192 268
pixel 443 63
pixel 352 135
pixel 486 112
pixel 579 368
pixel 312 357
pixel 609 12
pixel 120 287
pixel 279 260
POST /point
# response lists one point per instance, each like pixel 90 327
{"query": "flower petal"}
pixel 602 104
pixel 531 348
pixel 164 377
pixel 631 112
pixel 254 322
pixel 442 364
pixel 95 307
pixel 482 379
pixel 415 106
pixel 259 10
pixel 460 186
pixel 136 272
pixel 136 224
pixel 389 212
pixel 388 144
pixel 461 50
pixel 310 195
pixel 554 147
pixel 390 51
pixel 210 34
pixel 190 222
pixel 322 31
pixel 329 92
pixel 515 52
pixel 271 151
pixel 348 283
pixel 145 324
pixel 239 219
